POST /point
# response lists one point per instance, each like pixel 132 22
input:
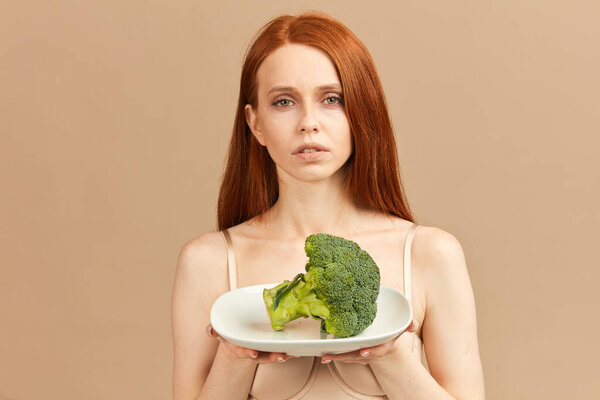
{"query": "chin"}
pixel 309 175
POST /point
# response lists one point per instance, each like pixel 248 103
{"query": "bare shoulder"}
pixel 439 260
pixel 204 259
pixel 431 237
pixel 435 249
pixel 209 246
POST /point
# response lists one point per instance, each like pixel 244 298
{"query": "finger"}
pixel 362 355
pixel 265 357
pixel 413 327
pixel 211 332
pixel 376 351
pixel 242 352
pixel 238 351
pixel 248 353
pixel 278 357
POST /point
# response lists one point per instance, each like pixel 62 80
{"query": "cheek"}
pixel 278 132
pixel 277 140
pixel 345 137
pixel 278 149
pixel 275 123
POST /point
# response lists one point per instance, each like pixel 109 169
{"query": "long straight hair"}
pixel 249 186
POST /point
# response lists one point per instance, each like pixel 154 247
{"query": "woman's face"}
pixel 300 106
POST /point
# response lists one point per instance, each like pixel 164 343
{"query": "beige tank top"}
pixel 305 377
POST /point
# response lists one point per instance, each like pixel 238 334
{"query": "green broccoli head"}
pixel 340 288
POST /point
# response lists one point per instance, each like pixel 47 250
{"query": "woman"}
pixel 313 151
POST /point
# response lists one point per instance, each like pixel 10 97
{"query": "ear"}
pixel 252 121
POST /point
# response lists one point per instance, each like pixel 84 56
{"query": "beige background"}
pixel 115 117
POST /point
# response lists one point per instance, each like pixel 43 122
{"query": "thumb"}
pixel 413 327
pixel 211 332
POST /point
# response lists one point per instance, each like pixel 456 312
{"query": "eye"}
pixel 282 102
pixel 333 100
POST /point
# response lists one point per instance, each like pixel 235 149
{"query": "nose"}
pixel 308 122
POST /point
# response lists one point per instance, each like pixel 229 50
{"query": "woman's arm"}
pixel 449 330
pixel 202 367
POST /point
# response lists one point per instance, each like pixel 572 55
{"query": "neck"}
pixel 306 208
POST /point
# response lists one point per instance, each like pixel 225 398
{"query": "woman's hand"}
pixel 369 354
pixel 234 351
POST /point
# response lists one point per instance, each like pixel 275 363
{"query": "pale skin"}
pixel 272 250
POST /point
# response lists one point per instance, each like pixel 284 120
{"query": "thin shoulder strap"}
pixel 231 265
pixel 407 260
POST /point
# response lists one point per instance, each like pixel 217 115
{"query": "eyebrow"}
pixel 331 86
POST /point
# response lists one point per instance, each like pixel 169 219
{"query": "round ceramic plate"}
pixel 240 317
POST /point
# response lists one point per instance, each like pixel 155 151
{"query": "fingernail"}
pixel 209 330
pixel 280 359
pixel 253 356
pixel 365 354
pixel 325 361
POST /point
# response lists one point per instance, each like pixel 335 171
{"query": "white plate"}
pixel 240 317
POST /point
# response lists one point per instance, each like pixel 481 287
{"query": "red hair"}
pixel 250 187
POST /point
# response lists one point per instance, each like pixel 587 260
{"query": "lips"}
pixel 315 146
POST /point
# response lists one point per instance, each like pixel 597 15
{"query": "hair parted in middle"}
pixel 250 187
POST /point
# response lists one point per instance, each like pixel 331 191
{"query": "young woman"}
pixel 313 151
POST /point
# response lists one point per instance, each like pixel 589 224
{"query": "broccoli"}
pixel 340 288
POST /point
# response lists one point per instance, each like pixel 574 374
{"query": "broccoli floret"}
pixel 340 288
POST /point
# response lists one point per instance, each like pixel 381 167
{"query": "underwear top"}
pixel 306 377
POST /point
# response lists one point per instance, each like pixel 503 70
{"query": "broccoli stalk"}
pixel 340 288
pixel 291 300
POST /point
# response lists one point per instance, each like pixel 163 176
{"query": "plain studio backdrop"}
pixel 115 117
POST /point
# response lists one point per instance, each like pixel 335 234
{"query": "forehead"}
pixel 296 65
